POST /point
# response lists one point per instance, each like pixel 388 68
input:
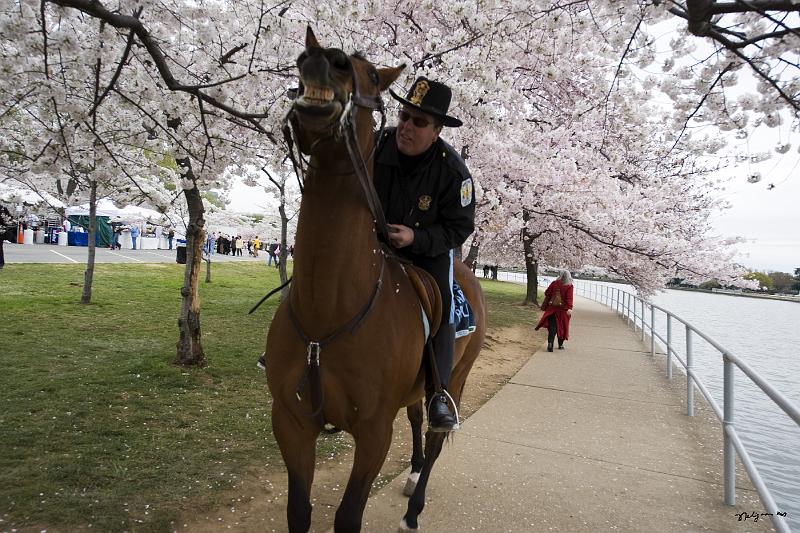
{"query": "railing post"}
pixel 632 311
pixel 729 453
pixel 652 330
pixel 631 305
pixel 689 373
pixel 642 300
pixel 669 346
pixel 626 307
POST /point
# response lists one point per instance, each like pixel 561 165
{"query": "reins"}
pixel 347 132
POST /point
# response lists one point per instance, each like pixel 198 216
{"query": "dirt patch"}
pixel 259 503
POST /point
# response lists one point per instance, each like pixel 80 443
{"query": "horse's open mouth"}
pixel 318 101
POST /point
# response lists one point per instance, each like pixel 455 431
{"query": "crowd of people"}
pixel 223 244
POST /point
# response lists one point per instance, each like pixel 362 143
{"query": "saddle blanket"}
pixel 464 319
pixel 462 315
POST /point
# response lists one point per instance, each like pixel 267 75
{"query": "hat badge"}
pixel 420 90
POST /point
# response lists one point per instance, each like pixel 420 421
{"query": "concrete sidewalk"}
pixel 591 438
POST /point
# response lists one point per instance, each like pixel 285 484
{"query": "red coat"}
pixel 562 318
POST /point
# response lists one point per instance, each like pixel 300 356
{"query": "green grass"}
pixel 504 302
pixel 96 424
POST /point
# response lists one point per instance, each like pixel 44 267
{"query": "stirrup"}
pixel 457 424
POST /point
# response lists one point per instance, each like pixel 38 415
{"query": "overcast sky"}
pixel 770 219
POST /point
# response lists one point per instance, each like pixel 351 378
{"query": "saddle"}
pixel 428 293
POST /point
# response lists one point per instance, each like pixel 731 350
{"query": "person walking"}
pixel 557 307
pixel 116 230
pixel 170 236
pixel 256 246
pixel 239 245
pixel 271 252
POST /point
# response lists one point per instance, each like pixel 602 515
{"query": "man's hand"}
pixel 569 312
pixel 400 236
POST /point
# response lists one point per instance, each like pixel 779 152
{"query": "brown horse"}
pixel 352 308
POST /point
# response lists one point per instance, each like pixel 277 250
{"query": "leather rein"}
pixel 342 129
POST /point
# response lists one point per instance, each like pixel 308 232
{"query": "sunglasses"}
pixel 419 122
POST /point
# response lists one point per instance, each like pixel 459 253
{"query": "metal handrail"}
pixel 625 304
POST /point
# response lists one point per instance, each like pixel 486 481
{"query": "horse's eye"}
pixel 373 76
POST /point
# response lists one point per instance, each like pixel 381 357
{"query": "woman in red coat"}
pixel 557 307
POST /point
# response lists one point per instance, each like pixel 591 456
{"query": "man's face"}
pixel 413 138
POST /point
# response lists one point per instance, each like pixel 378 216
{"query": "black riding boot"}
pixel 440 415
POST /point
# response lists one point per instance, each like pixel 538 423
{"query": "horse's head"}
pixel 329 80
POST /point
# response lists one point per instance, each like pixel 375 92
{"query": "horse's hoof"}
pixel 411 484
pixel 404 527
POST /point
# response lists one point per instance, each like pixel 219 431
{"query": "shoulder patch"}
pixel 466 192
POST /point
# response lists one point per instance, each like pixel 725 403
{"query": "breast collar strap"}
pixel 313 372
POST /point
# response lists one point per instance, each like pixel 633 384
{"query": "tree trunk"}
pixel 531 264
pixel 190 348
pixel 472 256
pixel 88 275
pixel 284 254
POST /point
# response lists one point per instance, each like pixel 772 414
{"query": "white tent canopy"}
pixel 141 213
pixel 106 208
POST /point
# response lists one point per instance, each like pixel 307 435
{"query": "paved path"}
pixel 592 438
pixel 47 253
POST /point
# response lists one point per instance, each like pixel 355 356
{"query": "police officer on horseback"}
pixel 427 195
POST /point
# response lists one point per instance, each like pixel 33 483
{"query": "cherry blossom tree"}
pixel 548 120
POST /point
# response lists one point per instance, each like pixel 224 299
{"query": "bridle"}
pixel 343 128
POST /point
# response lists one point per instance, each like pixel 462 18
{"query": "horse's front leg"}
pixel 297 441
pixel 415 419
pixel 372 445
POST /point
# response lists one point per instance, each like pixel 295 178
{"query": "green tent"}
pixel 104 233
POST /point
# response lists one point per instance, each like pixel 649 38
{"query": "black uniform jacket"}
pixel 437 199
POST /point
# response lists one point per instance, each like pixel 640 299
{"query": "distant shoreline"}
pixel 726 292
pixel 782 297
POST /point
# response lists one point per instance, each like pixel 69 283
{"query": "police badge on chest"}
pixel 424 202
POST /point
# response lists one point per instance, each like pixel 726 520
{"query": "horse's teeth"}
pixel 323 94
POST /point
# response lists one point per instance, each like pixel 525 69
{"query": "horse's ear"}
pixel 311 39
pixel 386 76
